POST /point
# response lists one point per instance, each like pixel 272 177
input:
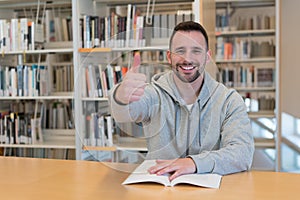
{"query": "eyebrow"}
pixel 196 47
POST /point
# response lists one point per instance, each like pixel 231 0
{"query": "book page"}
pixel 140 178
pixel 141 174
pixel 203 180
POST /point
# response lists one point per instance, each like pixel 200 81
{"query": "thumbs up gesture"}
pixel 133 85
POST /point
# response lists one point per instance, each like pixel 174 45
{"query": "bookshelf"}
pixel 246 36
pixel 36 82
pixel 114 52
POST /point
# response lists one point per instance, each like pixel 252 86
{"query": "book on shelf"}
pixel 243 48
pixel 246 76
pixel 258 102
pixel 245 19
pixel 92 86
pixel 58 115
pixel 25 80
pixel 129 30
pixel 17 128
pixel 24 121
pixel 141 175
pixel 57 28
pixel 265 77
pixel 17 34
pixel 99 84
pixel 36 131
pixel 99 130
pixel 99 80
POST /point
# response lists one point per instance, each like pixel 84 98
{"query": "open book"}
pixel 141 174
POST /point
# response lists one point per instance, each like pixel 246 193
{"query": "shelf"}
pixel 53 96
pixel 21 4
pixel 53 138
pixel 44 145
pixel 255 89
pixel 107 50
pixel 261 114
pixel 251 60
pixel 94 50
pixel 96 148
pixel 264 143
pixel 42 51
pixel 122 144
pixel 243 3
pixel 131 144
pixel 121 2
pixel 149 48
pixel 94 99
pixel 245 32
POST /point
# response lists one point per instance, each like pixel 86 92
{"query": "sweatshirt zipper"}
pixel 188 135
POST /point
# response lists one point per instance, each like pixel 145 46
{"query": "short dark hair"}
pixel 190 26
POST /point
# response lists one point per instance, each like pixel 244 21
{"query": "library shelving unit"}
pixel 245 55
pixel 94 57
pixel 31 87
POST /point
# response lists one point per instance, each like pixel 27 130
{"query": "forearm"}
pixel 227 160
pixel 119 110
pixel 135 111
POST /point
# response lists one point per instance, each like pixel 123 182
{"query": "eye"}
pixel 197 51
pixel 179 51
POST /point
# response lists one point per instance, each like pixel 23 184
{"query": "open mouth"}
pixel 187 67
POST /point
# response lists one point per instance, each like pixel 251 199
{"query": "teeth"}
pixel 187 67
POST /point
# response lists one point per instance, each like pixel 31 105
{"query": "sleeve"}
pixel 236 150
pixel 137 111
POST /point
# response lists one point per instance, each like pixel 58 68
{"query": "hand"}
pixel 177 167
pixel 133 85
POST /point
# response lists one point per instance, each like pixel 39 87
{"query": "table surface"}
pixel 31 178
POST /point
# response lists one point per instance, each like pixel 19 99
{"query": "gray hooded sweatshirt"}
pixel 216 131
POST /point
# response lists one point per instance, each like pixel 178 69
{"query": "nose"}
pixel 188 56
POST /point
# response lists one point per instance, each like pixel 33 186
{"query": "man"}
pixel 192 123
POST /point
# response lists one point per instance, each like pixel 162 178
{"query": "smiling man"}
pixel 192 123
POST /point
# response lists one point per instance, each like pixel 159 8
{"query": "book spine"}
pixel 109 130
pixel 128 22
pixel 24 33
pixel 20 80
pixel 14 89
pixel 86 31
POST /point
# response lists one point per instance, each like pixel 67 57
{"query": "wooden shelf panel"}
pixel 264 143
pixel 122 144
pixel 247 60
pixel 42 51
pixel 94 50
pixel 50 97
pixel 262 114
pixel 122 49
pixel 245 32
pixel 94 99
pixel 255 89
pixel 52 138
pixel 98 148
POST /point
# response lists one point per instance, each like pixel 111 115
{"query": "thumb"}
pixel 136 62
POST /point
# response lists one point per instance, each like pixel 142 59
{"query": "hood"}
pixel 165 81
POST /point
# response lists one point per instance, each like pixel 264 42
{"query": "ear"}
pixel 169 56
pixel 208 56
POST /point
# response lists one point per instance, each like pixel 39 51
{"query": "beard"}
pixel 188 77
